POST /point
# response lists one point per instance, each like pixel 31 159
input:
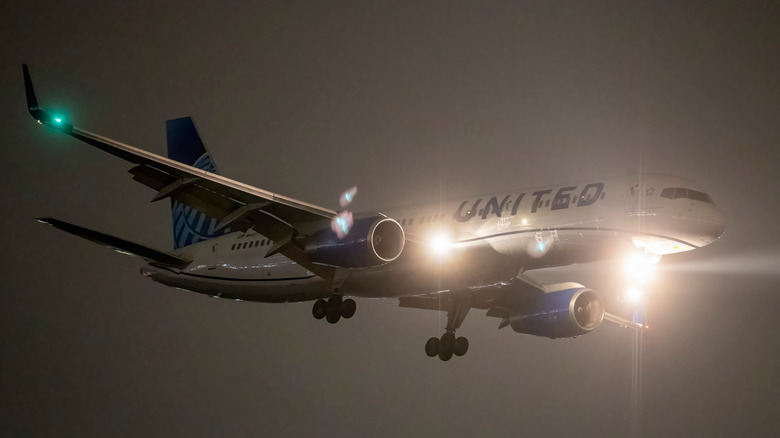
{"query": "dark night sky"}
pixel 412 102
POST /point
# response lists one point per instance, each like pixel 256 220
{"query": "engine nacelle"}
pixel 372 241
pixel 559 314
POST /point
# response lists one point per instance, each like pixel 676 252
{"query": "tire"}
pixel 461 346
pixel 333 305
pixel 333 317
pixel 348 308
pixel 447 343
pixel 432 347
pixel 445 355
pixel 319 309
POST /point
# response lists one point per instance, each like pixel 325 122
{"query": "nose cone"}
pixel 712 222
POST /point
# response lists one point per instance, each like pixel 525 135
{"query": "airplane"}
pixel 236 241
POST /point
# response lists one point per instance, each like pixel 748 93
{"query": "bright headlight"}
pixel 640 267
pixel 440 244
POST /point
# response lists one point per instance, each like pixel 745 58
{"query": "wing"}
pixel 499 299
pixel 120 245
pixel 623 322
pixel 234 204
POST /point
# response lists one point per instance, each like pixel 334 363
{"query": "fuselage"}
pixel 473 242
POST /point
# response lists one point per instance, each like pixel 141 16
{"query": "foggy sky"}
pixel 412 102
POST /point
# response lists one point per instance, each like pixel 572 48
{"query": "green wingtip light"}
pixel 58 120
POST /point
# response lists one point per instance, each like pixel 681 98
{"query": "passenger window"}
pixel 245 244
pixel 410 221
pixel 403 222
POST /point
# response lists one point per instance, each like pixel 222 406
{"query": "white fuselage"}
pixel 473 242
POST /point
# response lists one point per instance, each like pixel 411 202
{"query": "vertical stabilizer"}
pixel 185 146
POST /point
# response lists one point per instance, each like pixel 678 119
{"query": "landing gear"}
pixel 334 309
pixel 448 345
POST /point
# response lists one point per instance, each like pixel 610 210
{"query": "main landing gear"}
pixel 448 344
pixel 334 309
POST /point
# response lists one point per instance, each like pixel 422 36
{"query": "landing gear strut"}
pixel 334 309
pixel 448 344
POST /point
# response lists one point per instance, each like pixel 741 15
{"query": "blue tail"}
pixel 185 146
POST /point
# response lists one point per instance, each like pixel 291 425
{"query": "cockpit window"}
pixel 699 196
pixel 678 192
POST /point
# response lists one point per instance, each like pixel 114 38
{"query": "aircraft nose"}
pixel 716 224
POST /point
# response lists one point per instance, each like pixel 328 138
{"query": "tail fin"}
pixel 185 146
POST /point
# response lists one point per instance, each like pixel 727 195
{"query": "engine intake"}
pixel 560 314
pixel 372 241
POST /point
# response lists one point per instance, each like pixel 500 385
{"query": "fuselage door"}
pixel 211 258
pixel 632 203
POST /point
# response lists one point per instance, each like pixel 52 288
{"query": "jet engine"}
pixel 371 241
pixel 559 314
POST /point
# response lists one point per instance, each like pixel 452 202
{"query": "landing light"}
pixel 440 244
pixel 640 267
pixel 634 295
pixel 58 120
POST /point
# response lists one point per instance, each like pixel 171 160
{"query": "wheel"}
pixel 432 347
pixel 333 305
pixel 333 317
pixel 461 346
pixel 447 343
pixel 445 355
pixel 348 308
pixel 319 309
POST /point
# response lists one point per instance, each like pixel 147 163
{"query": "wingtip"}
pixel 32 101
pixel 36 111
pixel 44 220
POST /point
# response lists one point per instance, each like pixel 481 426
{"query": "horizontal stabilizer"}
pixel 120 245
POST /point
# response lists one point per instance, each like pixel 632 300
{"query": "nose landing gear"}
pixel 334 308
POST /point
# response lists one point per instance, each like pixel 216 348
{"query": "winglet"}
pixel 32 101
pixel 39 114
